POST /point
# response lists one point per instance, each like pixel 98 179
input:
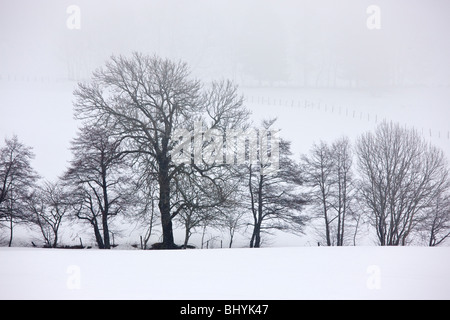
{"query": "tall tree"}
pixel 342 154
pixel 327 172
pixel 145 199
pixel 275 199
pixel 17 179
pixel 204 201
pixel 319 175
pixel 147 98
pixel 98 180
pixel 401 175
pixel 233 213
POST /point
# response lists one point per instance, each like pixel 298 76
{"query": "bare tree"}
pixel 48 205
pixel 149 216
pixel 327 171
pixel 318 169
pixel 435 228
pixel 342 155
pixel 17 179
pixel 201 199
pixel 98 180
pixel 192 219
pixel 232 218
pixel 275 199
pixel 145 201
pixel 145 99
pixel 401 176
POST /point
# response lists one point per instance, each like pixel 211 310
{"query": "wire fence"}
pixel 341 111
pixel 19 78
pixel 262 100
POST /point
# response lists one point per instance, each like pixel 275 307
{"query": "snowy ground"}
pixel 273 273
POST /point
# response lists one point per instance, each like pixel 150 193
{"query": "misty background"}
pixel 317 56
pixel 304 43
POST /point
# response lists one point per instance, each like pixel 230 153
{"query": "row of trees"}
pixel 400 188
pixel 124 167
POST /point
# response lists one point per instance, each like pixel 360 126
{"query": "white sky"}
pixel 287 42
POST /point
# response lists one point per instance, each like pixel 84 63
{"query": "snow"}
pixel 270 273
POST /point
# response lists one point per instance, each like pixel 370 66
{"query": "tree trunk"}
pixel 166 221
pixel 339 230
pixel 98 235
pixel 186 239
pixel 55 241
pixel 231 239
pixel 339 208
pixel 260 211
pixel 187 232
pixel 324 204
pixel 258 237
pixel 150 229
pixel 106 239
pixel 432 241
pixel 10 231
pixel 164 204
pixel 105 212
pixel 327 224
pixel 203 235
pixel 252 240
pixel 255 241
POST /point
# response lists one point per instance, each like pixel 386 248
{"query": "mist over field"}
pixel 325 69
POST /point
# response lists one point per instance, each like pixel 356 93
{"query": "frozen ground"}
pixel 273 273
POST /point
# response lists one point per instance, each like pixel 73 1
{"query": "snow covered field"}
pixel 272 273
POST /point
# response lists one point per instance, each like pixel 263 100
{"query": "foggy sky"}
pixel 257 43
pixel 230 37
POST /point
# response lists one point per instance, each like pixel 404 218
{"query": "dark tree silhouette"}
pixel 17 179
pixel 48 205
pixel 327 172
pixel 98 179
pixel 145 99
pixel 401 177
pixel 275 199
